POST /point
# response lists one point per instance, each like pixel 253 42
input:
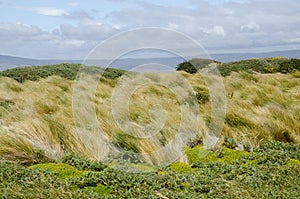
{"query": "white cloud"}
pixel 88 30
pixel 219 30
pixel 250 27
pixel 18 30
pixel 51 11
pixel 216 30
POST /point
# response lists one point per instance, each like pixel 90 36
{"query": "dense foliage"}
pixel 272 171
pixel 267 65
pixel 193 65
pixel 264 65
pixel 65 70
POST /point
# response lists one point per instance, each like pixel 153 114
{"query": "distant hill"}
pixel 7 62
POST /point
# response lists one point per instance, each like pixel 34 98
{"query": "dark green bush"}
pixel 266 65
pixel 82 163
pixel 64 70
pixel 202 95
pixel 6 103
pixel 230 143
pixel 289 149
pixel 193 65
pixel 20 182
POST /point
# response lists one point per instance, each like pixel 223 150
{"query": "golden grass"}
pixel 40 123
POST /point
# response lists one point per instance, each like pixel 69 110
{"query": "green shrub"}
pixel 193 65
pixel 290 150
pixel 82 163
pixel 180 167
pixel 293 162
pixel 20 182
pixel 264 65
pixel 64 70
pixel 6 104
pixel 62 170
pixel 230 143
pixel 202 95
pixel 100 190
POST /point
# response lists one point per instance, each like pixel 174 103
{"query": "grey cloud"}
pixel 232 26
pixel 29 41
pixel 248 24
pixel 18 31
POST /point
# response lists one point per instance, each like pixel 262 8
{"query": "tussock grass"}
pixel 37 122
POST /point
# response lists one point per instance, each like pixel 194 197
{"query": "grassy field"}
pixel 37 131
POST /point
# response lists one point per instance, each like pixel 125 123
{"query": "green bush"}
pixel 193 65
pixel 6 104
pixel 62 170
pixel 230 143
pixel 20 182
pixel 202 95
pixel 82 163
pixel 180 167
pixel 264 65
pixel 64 70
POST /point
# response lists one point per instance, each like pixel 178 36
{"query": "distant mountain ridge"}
pixel 7 62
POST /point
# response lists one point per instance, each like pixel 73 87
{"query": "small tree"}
pixel 187 67
pixel 193 65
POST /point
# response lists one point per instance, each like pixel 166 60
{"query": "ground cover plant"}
pixel 272 170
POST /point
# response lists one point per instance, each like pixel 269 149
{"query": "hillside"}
pixel 262 115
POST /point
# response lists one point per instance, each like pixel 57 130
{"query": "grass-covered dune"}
pixel 37 131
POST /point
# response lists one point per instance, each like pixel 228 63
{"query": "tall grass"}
pixel 37 124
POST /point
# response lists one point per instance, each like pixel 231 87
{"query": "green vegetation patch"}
pixel 180 167
pixel 262 65
pixel 199 154
pixel 293 162
pixel 193 65
pixel 83 163
pixel 62 170
pixel 64 70
pixel 100 190
pixel 195 154
pixel 225 174
pixel 7 104
pixel 17 181
pixel 143 167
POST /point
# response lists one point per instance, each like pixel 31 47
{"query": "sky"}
pixel 52 29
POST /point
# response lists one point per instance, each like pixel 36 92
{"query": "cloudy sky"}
pixel 71 29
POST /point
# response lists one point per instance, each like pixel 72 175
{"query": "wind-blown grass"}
pixel 37 122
